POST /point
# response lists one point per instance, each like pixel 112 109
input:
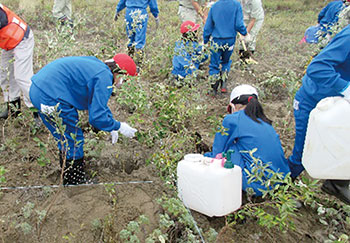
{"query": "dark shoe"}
pixel 37 120
pixel 70 23
pixel 62 20
pixel 131 51
pixel 338 188
pixel 5 113
pixel 215 87
pixel 13 109
pixel 223 81
pixel 223 87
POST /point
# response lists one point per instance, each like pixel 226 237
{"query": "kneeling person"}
pixel 247 128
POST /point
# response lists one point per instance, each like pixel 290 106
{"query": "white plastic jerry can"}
pixel 326 152
pixel 207 187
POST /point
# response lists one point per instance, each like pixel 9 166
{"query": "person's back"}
pixel 316 84
pixel 249 133
pixel 244 134
pixel 329 14
pixel 187 53
pixel 225 18
pixel 139 4
pixel 72 79
pixel 185 59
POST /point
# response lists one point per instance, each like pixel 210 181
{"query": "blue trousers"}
pixel 302 108
pixel 72 141
pixel 136 26
pixel 221 52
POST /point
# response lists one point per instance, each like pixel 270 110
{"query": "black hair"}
pixel 113 67
pixel 190 36
pixel 253 107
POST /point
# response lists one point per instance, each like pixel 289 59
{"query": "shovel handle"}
pixel 244 46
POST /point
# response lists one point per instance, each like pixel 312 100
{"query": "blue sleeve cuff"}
pixel 346 86
pixel 117 126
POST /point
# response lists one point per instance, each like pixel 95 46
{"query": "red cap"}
pixel 188 26
pixel 126 63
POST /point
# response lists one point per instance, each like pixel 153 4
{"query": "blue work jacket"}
pixel 329 72
pixel 83 82
pixel 242 134
pixel 187 57
pixel 139 4
pixel 329 14
pixel 225 18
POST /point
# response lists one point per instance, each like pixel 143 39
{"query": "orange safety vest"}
pixel 12 34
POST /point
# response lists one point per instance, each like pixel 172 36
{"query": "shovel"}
pixel 248 59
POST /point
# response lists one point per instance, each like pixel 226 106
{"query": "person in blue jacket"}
pixel 69 84
pixel 327 75
pixel 246 129
pixel 188 53
pixel 136 18
pixel 329 14
pixel 326 19
pixel 225 18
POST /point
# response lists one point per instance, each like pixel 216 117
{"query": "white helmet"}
pixel 244 89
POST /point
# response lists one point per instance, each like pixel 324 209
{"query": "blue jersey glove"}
pixel 295 169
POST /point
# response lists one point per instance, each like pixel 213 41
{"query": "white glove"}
pixel 346 92
pixel 115 135
pixel 126 130
pixel 247 38
pixel 157 22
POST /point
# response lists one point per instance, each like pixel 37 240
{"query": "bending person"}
pixel 70 84
pixel 327 75
pixel 253 15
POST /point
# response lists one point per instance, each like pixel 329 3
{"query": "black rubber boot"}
pixel 74 172
pixel 131 51
pixel 338 188
pixel 223 81
pixel 13 108
pixel 215 87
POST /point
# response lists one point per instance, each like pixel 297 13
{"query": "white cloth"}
pixel 115 135
pixel 17 69
pixel 47 109
pixel 252 9
pixel 188 12
pixel 126 130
